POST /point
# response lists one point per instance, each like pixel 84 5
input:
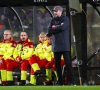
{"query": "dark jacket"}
pixel 60 34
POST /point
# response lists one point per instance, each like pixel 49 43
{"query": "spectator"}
pixel 16 24
pixel 5 21
pixel 91 81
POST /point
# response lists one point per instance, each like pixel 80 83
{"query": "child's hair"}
pixel 48 35
pixel 42 34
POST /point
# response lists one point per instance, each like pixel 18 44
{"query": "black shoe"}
pixel 23 83
pixel 37 72
pixel 48 83
pixel 71 84
pixel 5 84
pixel 9 83
pixel 59 83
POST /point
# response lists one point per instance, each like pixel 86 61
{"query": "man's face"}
pixel 7 35
pixel 57 13
pixel 23 36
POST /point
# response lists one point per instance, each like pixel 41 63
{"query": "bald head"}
pixel 23 36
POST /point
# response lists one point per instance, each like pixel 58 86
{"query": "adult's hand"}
pixel 53 26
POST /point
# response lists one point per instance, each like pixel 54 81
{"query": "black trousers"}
pixel 67 58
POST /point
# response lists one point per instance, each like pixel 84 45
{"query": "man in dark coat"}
pixel 59 29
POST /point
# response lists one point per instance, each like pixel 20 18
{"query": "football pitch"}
pixel 49 87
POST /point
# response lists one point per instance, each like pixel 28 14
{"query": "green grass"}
pixel 49 87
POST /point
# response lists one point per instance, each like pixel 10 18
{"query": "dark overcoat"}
pixel 60 34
